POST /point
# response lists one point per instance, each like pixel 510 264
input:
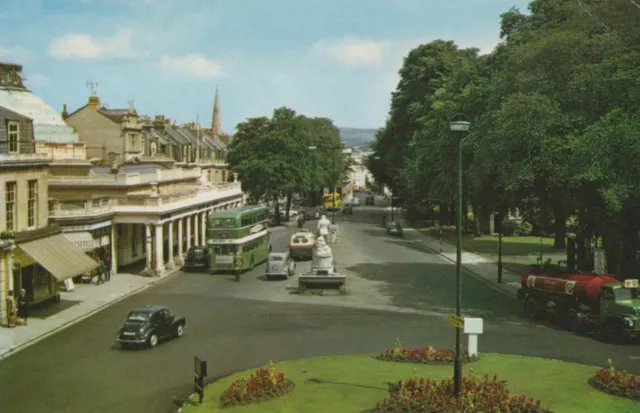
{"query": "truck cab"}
pixel 620 309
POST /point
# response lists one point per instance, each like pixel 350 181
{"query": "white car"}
pixel 355 202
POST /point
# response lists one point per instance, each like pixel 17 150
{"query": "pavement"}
pixel 397 288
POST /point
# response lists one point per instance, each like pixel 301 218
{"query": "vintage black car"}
pixel 147 326
pixel 197 259
pixel 313 212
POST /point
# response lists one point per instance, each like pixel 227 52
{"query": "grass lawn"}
pixel 487 245
pixel 351 384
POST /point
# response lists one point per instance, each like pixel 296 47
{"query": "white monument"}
pixel 322 258
pixel 323 226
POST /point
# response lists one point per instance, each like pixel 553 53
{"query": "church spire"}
pixel 216 124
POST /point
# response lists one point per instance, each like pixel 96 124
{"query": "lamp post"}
pixel 459 126
pixel 333 150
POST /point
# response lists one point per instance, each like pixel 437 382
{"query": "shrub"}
pixel 509 227
pixel 431 396
pixel 426 355
pixel 264 384
pixel 524 229
pixel 616 382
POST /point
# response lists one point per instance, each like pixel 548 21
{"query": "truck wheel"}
pixel 531 308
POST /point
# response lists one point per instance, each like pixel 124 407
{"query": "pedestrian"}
pixel 301 221
pixel 100 274
pixel 23 306
pixel 107 272
pixel 11 309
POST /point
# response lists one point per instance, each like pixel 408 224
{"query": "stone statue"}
pixel 323 226
pixel 322 256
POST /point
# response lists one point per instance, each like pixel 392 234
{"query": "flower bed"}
pixel 616 382
pixel 431 396
pixel 265 384
pixel 426 355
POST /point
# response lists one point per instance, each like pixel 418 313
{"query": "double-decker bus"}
pixel 331 201
pixel 238 239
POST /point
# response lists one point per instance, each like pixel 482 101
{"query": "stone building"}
pixel 34 255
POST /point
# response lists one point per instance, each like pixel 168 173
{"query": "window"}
pixel 10 200
pixel 14 137
pixel 32 203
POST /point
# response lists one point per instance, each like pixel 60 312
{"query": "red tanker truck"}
pixel 584 301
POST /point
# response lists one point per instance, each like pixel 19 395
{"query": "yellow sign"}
pixel 631 283
pixel 455 321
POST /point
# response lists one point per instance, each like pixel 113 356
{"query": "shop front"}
pixel 44 258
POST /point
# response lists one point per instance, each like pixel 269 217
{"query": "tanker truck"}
pixel 583 302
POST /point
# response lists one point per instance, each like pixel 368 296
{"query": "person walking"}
pixel 23 306
pixel 107 272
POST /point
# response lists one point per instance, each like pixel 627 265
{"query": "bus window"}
pixel 224 249
pixel 222 223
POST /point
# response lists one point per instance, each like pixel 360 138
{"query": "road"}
pixel 395 290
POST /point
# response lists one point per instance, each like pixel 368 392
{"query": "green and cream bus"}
pixel 238 239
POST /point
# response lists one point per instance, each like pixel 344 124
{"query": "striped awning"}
pixel 82 240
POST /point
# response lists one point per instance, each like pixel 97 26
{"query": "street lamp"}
pixel 459 126
pixel 333 150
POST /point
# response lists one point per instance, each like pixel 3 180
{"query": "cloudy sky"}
pixel 333 58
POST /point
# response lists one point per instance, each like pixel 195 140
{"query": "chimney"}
pixel 65 114
pixel 94 101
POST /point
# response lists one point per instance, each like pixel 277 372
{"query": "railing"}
pixel 23 157
pixel 100 206
pixel 131 178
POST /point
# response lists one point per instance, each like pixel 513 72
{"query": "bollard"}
pixel 500 258
pixel 473 327
pixel 440 239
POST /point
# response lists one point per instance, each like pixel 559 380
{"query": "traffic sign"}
pixel 454 320
pixel 631 283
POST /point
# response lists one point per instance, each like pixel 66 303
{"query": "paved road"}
pixel 238 325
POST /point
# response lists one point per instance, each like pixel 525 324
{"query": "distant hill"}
pixel 353 137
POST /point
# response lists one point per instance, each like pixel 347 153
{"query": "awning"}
pixel 59 256
pixel 82 240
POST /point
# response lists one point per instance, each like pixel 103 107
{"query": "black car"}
pixel 197 259
pixel 148 325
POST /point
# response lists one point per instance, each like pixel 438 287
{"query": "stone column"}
pixel 188 221
pixel 180 257
pixel 203 234
pixel 148 244
pixel 159 249
pixel 196 229
pixel 114 250
pixel 170 261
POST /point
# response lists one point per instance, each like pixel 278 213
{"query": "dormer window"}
pixel 13 134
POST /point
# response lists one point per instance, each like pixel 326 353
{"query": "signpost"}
pixel 200 369
pixel 454 320
pixel 473 327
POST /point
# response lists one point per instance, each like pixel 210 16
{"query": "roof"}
pixel 232 213
pixel 116 115
pixel 176 136
pixel 161 137
pixel 48 124
pixel 149 309
pixel 9 114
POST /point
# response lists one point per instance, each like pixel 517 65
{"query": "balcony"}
pixel 159 204
pixel 126 179
pixel 25 157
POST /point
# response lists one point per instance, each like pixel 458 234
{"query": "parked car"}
pixel 197 259
pixel 279 265
pixel 370 200
pixel 302 244
pixel 394 228
pixel 347 208
pixel 355 201
pixel 148 325
pixel 313 213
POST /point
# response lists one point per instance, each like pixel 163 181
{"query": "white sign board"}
pixel 473 327
pixel 224 259
pixel 631 283
pixel 599 262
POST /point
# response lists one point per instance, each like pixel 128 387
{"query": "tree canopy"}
pixel 555 115
pixel 272 156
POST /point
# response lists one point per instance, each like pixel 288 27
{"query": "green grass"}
pixel 352 384
pixel 487 245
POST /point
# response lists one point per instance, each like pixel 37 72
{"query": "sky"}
pixel 326 58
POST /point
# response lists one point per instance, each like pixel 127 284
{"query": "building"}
pixel 34 255
pixel 148 190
